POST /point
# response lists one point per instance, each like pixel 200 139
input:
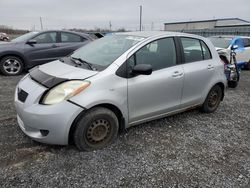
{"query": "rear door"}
pixel 153 95
pixel 44 50
pixel 70 42
pixel 199 70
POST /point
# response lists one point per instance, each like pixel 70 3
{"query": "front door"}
pixel 153 95
pixel 44 50
pixel 243 53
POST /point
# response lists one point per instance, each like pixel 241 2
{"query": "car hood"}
pixel 55 72
pixel 7 44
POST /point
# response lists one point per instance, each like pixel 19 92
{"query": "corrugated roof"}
pixel 212 20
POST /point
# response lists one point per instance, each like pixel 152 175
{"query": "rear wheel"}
pixel 232 84
pixel 213 100
pixel 96 129
pixel 11 66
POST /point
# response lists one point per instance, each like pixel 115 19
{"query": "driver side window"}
pixel 49 37
pixel 159 54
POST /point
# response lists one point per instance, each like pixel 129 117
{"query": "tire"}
pixel 97 128
pixel 247 66
pixel 213 100
pixel 232 84
pixel 5 39
pixel 11 66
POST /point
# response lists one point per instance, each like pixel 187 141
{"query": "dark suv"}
pixel 37 48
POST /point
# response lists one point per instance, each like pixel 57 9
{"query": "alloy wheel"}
pixel 12 66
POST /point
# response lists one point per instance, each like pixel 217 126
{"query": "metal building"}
pixel 226 26
pixel 206 24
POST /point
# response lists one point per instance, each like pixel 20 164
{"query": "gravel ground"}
pixel 186 150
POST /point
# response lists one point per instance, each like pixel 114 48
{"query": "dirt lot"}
pixel 186 150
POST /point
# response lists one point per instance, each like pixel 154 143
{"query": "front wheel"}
pixel 11 66
pixel 97 128
pixel 213 100
pixel 247 65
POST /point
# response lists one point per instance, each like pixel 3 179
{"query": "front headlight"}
pixel 64 91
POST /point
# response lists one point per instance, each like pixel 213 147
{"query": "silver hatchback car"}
pixel 116 82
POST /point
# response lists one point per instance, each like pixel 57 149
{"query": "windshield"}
pixel 104 51
pixel 221 42
pixel 25 37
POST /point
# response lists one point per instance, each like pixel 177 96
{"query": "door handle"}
pixel 177 74
pixel 209 67
pixel 54 46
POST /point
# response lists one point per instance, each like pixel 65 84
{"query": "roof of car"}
pixel 79 33
pixel 147 34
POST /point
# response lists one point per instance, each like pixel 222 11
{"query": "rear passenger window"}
pixel 206 52
pixel 192 50
pixel 69 37
pixel 160 54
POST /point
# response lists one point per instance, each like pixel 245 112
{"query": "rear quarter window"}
pixel 205 50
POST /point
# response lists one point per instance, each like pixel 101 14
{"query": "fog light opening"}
pixel 44 132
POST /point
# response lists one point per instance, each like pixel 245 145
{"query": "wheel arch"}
pixel 224 58
pixel 109 106
pixel 15 55
pixel 222 86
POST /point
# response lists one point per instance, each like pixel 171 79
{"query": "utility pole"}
pixel 140 18
pixel 41 22
pixel 110 26
pixel 152 26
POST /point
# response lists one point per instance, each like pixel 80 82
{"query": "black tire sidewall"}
pixel 205 107
pixel 247 65
pixel 11 57
pixel 85 122
pixel 232 84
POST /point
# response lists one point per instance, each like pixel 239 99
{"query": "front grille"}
pixel 22 95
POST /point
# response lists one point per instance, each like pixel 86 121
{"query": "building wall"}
pixel 212 27
pixel 191 25
pixel 237 31
pixel 229 22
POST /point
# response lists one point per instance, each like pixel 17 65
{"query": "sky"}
pixel 87 14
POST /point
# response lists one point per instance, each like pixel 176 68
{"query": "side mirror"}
pixel 234 47
pixel 144 69
pixel 31 42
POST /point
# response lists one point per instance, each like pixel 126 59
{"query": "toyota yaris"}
pixel 116 82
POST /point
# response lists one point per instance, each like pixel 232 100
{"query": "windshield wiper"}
pixel 83 62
